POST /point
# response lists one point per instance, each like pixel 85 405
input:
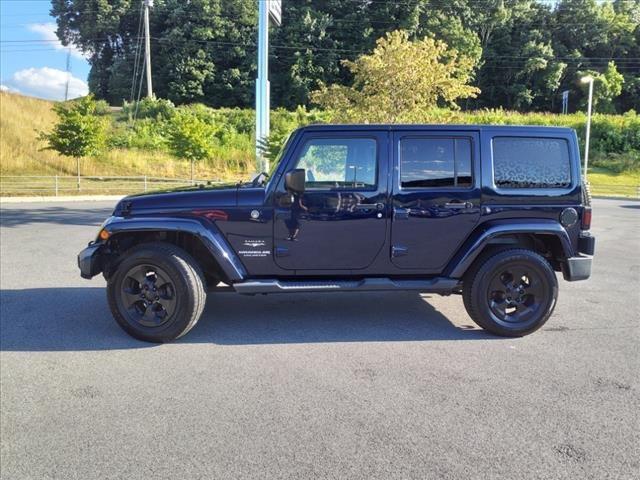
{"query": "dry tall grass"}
pixel 20 120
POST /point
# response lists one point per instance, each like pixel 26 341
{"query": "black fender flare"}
pixel 471 250
pixel 210 237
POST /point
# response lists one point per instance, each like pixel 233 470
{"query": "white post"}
pixel 147 47
pixel 589 80
pixel 262 83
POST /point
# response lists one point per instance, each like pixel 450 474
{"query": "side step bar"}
pixel 440 285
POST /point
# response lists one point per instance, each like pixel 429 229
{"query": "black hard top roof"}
pixel 530 129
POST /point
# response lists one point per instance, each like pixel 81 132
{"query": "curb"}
pixel 75 198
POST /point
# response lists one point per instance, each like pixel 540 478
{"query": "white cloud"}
pixel 7 88
pixel 47 83
pixel 47 31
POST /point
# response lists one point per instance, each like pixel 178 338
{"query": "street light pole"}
pixel 262 84
pixel 588 80
pixel 268 10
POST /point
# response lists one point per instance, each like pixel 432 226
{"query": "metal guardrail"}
pixel 55 185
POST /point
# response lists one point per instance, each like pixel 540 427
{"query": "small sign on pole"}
pixel 275 11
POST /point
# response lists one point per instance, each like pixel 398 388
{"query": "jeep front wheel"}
pixel 511 293
pixel 156 293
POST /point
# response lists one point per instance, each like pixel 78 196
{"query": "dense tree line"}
pixel 525 52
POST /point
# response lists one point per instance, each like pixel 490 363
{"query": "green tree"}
pixel 308 46
pixel 399 79
pixel 80 131
pixel 191 137
pixel 201 50
pixel 525 52
pixel 591 34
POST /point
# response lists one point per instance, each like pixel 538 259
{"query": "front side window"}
pixel 523 162
pixel 339 163
pixel 435 162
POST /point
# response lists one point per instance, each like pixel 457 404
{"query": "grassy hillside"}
pixel 141 148
pixel 21 153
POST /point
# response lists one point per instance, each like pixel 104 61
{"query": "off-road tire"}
pixel 186 279
pixel 475 292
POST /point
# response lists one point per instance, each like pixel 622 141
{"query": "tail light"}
pixel 586 218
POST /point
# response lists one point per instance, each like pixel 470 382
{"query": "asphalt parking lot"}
pixel 394 385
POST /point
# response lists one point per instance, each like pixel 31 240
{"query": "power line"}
pixel 295 46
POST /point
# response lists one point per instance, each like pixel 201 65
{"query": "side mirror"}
pixel 294 180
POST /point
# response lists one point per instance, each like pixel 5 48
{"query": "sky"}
pixel 32 60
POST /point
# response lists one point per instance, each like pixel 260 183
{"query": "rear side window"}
pixel 435 162
pixel 523 162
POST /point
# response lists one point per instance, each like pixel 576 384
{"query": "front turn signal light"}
pixel 104 234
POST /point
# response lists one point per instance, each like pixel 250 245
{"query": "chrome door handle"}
pixel 458 205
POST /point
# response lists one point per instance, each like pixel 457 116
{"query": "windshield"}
pixel 262 179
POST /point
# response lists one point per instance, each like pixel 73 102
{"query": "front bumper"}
pixel 90 260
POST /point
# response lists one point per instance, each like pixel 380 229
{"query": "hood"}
pixel 199 196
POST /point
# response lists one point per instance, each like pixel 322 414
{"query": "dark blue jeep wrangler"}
pixel 488 212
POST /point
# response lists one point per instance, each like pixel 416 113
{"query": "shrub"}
pixel 102 108
pixel 79 132
pixel 156 108
pixel 190 137
pixel 145 134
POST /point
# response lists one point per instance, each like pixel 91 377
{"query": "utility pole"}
pixel 66 87
pixel 147 47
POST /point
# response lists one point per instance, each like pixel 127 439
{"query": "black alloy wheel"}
pixel 510 292
pixel 157 292
pixel 148 296
pixel 516 293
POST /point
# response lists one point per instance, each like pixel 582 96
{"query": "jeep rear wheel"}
pixel 157 292
pixel 511 293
